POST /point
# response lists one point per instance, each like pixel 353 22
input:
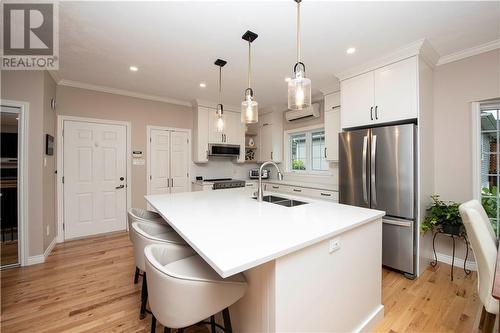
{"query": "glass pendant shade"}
pixel 219 125
pixel 299 90
pixel 249 109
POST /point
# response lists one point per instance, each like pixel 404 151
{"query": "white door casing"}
pixel 95 178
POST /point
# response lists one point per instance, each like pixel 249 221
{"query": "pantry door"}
pixel 95 172
pixel 168 160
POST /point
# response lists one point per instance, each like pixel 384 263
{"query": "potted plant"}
pixel 442 216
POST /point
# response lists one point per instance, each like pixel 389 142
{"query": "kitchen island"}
pixel 315 267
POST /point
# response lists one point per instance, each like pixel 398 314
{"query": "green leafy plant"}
pixel 298 165
pixel 489 200
pixel 441 214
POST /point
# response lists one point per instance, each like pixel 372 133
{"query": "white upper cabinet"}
pixel 384 95
pixel 396 91
pixel 332 126
pixel 357 99
pixel 205 133
pixel 270 137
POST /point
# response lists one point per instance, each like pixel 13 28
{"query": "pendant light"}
pixel 299 87
pixel 219 120
pixel 249 107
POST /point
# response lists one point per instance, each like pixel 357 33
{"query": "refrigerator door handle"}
pixel 400 223
pixel 363 168
pixel 373 170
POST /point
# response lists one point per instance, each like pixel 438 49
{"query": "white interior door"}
pixel 179 162
pixel 95 170
pixel 159 176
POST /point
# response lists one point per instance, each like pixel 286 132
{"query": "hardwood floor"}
pixel 86 286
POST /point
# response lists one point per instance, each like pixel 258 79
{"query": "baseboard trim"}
pixel 33 260
pixel 444 258
pixel 50 247
pixel 372 321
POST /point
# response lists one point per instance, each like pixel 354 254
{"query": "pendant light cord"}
pixel 249 62
pixel 220 85
pixel 298 31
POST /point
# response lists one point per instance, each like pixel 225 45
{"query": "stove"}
pixel 223 183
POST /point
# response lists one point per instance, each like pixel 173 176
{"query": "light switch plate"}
pixel 334 245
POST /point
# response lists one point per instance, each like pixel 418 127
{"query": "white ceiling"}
pixel 174 44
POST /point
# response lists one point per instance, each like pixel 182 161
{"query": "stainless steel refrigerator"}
pixel 377 170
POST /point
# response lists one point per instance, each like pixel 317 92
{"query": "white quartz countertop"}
pixel 316 186
pixel 234 232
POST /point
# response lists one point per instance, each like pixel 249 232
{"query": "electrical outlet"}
pixel 334 245
pixel 48 230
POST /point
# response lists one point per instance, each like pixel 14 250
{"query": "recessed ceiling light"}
pixel 351 50
pixel 133 68
pixel 287 79
pixel 203 85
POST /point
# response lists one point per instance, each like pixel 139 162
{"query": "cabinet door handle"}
pixel 172 182
pixel 376 113
pixel 271 155
pixel 326 194
pixel 276 187
pixel 371 113
pixel 297 190
pixel 325 152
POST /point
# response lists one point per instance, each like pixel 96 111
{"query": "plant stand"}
pixel 461 235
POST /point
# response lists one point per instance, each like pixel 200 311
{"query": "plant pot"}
pixel 452 229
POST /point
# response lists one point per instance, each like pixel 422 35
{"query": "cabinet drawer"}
pixel 277 188
pixel 327 195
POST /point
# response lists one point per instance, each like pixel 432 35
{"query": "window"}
pixel 307 151
pixel 490 164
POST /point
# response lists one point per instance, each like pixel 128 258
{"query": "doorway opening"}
pixel 12 153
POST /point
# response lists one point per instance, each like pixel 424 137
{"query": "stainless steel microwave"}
pixel 223 150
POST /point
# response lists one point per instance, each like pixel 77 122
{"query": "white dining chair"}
pixel 142 215
pixel 187 291
pixel 484 247
pixel 145 234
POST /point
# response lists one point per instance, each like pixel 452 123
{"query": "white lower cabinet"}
pixel 303 191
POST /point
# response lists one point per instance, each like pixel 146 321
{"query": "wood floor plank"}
pixel 86 286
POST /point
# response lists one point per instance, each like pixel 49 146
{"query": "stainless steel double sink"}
pixel 283 201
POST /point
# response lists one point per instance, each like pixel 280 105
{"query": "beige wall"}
pixel 456 86
pixel 49 168
pixel 140 112
pixel 28 86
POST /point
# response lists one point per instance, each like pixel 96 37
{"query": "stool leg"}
pixel 212 324
pixel 481 321
pixel 153 324
pixel 180 330
pixel 144 297
pixel 489 322
pixel 136 275
pixel 166 330
pixel 227 321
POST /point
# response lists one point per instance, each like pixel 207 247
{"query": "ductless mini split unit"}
pixel 310 112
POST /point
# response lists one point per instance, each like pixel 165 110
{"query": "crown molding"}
pixel 470 52
pixel 109 90
pixel 420 48
pixel 55 76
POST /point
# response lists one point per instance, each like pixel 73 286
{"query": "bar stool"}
pixel 143 234
pixel 142 215
pixel 186 291
pixel 476 223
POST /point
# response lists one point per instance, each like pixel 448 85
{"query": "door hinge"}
pixel 188 174
pixel 150 140
pixel 150 177
pixel 188 140
pixel 63 179
pixel 63 226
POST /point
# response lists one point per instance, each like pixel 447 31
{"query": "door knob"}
pixel 119 187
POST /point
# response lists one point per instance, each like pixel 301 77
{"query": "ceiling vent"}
pixel 310 112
